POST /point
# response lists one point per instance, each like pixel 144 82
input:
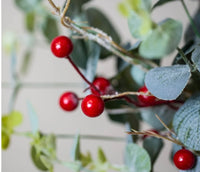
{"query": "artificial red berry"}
pixel 184 159
pixel 103 86
pixel 92 105
pixel 68 101
pixel 61 46
pixel 152 130
pixel 148 100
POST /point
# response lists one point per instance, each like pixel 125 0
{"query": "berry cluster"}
pixel 93 105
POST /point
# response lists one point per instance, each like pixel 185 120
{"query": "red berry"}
pixel 184 159
pixel 68 101
pixel 102 84
pixel 152 130
pixel 61 46
pixel 92 105
pixel 148 100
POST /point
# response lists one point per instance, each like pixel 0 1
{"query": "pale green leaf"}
pixel 163 40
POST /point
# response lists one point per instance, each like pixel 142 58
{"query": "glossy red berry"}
pixel 61 46
pixel 92 105
pixel 184 159
pixel 103 86
pixel 152 130
pixel 68 101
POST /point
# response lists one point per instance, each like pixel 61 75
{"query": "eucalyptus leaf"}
pixel 164 112
pixel 75 151
pixel 167 83
pixel 50 28
pixel 92 61
pixel 153 146
pixel 137 159
pixel 196 57
pixel 27 5
pixel 162 40
pixel 5 139
pixel 48 164
pixel 79 53
pixel 139 25
pixel 186 123
pixel 138 75
pixel 98 20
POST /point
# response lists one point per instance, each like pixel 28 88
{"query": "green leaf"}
pixel 196 57
pixel 92 61
pixel 79 53
pixel 162 40
pixel 98 19
pixel 27 5
pixel 140 25
pixel 86 159
pixel 5 139
pixel 75 151
pixel 165 113
pixel 75 8
pixel 153 146
pixel 30 21
pixel 36 158
pixel 167 83
pixel 101 157
pixel 162 2
pixel 47 163
pixel 186 123
pixel 12 120
pixel 137 159
pixel 50 28
pixel 33 118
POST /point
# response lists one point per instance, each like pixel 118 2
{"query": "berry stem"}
pixel 82 76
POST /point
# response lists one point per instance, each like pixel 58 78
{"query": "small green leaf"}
pixel 167 83
pixel 162 40
pixel 101 157
pixel 137 159
pixel 196 57
pixel 50 28
pixel 5 139
pixel 27 5
pixel 86 159
pixel 186 123
pixel 12 120
pixel 30 21
pixel 75 151
pixel 36 158
pixel 153 146
pixel 140 25
pixel 164 112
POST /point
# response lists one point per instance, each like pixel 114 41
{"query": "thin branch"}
pixel 190 18
pixel 104 40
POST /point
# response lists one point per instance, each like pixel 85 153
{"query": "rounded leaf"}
pixel 167 83
pixel 186 123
